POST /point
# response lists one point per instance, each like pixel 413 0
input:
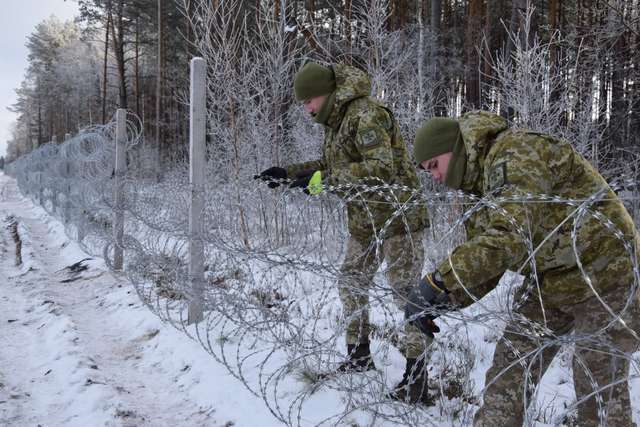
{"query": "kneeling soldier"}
pixel 480 155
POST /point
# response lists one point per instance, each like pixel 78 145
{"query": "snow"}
pixel 88 352
pixel 81 349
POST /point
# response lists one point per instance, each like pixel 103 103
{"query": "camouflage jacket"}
pixel 505 163
pixel 363 145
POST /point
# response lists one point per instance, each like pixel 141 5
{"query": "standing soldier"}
pixel 580 258
pixel 363 145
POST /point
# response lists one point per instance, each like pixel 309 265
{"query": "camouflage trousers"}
pixel 404 256
pixel 603 355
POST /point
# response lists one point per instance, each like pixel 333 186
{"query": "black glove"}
pixel 272 175
pixel 302 180
pixel 425 301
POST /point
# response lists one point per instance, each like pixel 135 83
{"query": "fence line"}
pixel 260 294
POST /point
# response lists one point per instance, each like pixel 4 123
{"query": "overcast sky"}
pixel 18 20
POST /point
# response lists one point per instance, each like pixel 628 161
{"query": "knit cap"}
pixel 313 80
pixel 437 136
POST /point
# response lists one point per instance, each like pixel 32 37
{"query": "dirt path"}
pixel 68 355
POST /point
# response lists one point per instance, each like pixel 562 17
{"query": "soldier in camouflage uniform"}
pixel 480 155
pixel 362 147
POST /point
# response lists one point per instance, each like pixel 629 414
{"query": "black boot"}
pixel 358 359
pixel 414 385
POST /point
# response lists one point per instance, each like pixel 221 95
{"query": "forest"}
pixel 569 68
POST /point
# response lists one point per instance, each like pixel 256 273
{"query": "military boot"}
pixel 358 359
pixel 414 385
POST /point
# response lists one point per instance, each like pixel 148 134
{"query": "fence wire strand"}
pixel 272 313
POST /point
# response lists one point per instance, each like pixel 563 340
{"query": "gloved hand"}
pixel 309 180
pixel 272 176
pixel 302 180
pixel 425 301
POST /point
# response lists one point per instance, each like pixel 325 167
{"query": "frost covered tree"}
pixel 43 107
pixel 426 58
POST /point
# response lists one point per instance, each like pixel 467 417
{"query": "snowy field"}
pixel 82 350
pixel 78 348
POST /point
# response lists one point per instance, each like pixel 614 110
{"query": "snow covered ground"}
pixel 80 349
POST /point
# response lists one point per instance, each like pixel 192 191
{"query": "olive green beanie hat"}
pixel 437 136
pixel 313 80
pixel 442 135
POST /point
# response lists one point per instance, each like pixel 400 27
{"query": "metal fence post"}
pixel 120 169
pixel 54 171
pixel 197 134
pixel 40 189
pixel 67 176
pixel 66 187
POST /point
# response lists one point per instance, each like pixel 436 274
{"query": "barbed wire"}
pixel 273 316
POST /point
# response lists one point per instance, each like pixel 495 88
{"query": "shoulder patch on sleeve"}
pixel 369 138
pixel 498 176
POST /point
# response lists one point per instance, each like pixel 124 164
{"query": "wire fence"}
pixel 271 308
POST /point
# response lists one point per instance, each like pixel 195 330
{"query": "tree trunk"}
pixel 118 50
pixel 617 124
pixel 159 83
pixel 554 26
pixel 490 21
pixel 311 11
pixel 391 16
pixel 436 13
pixel 403 14
pixel 136 85
pixel 634 119
pixel 104 67
pixel 421 94
pixel 472 58
pixel 515 27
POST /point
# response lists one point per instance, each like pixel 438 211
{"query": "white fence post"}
pixel 68 211
pixel 67 185
pixel 55 186
pixel 40 189
pixel 197 124
pixel 120 168
pixel 67 176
